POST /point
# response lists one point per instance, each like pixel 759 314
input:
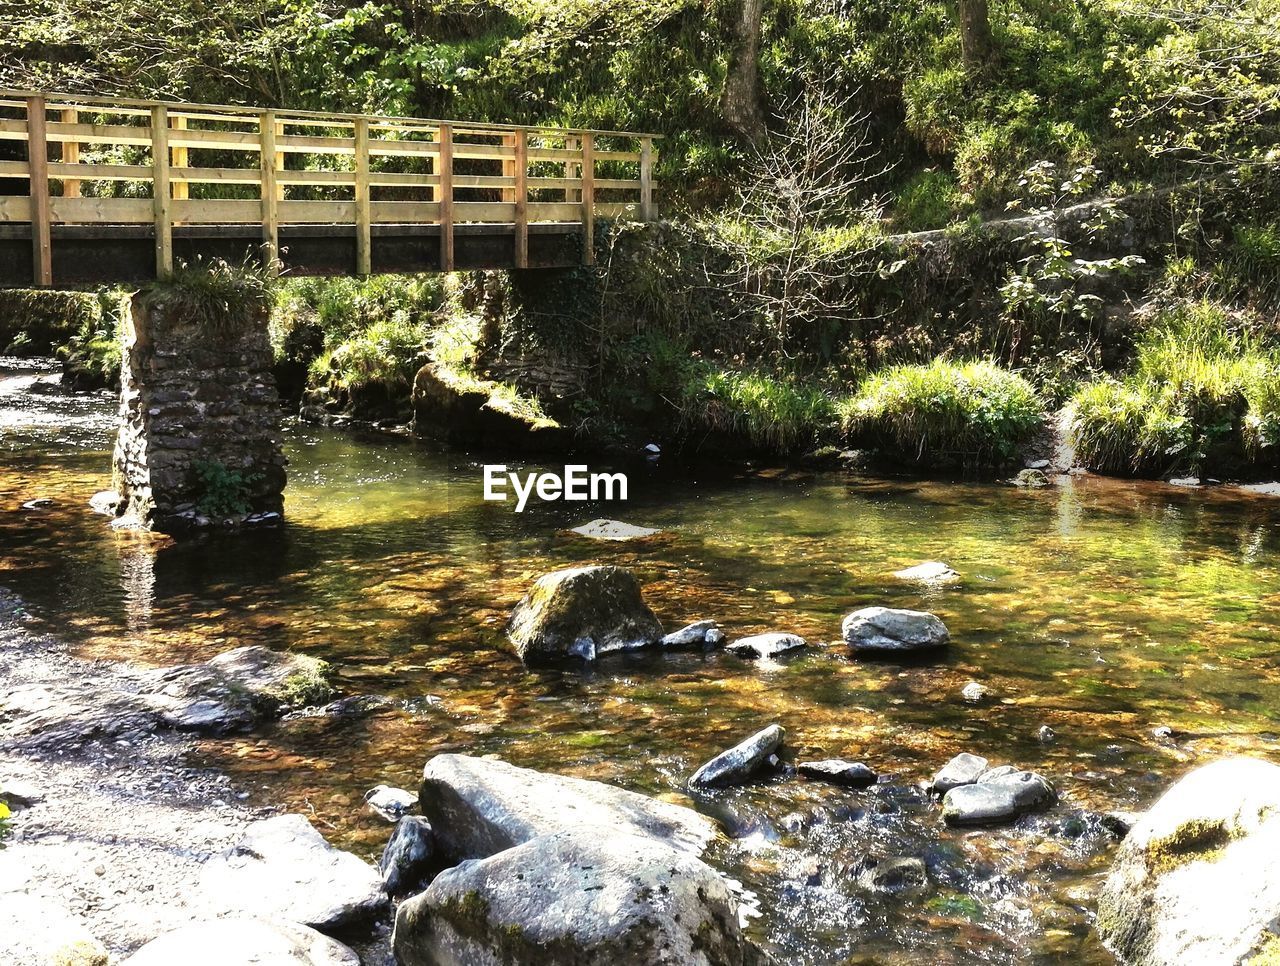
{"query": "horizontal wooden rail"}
pixel 96 161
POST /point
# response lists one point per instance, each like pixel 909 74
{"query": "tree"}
pixel 977 47
pixel 740 103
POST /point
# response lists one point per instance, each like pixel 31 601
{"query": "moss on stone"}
pixel 1267 952
pixel 1194 840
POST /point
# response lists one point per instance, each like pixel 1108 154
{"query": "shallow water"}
pixel 1100 608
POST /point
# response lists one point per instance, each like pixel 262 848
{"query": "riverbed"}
pixel 1106 610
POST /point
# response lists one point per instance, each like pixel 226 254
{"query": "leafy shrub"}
pixel 222 491
pixel 974 413
pixel 770 413
pixel 929 200
pixel 1201 394
pixel 388 353
pixel 215 295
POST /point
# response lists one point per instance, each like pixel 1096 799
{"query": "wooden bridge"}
pixel 99 189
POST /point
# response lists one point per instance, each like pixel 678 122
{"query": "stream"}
pixel 1103 609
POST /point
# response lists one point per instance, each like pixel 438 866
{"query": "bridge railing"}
pixel 111 161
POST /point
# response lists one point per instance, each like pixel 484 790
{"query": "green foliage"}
pixel 929 200
pixel 1203 395
pixel 222 491
pixel 770 414
pixel 388 353
pixel 974 413
pixel 221 298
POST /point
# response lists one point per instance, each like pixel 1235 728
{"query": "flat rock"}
pixel 996 800
pixel 693 635
pixel 583 612
pixel 284 869
pixel 963 769
pixel 408 857
pixel 837 771
pixel 391 803
pixel 479 806
pixel 891 632
pixel 767 645
pixel 932 572
pixel 614 530
pixel 741 762
pixel 569 899
pixel 39 932
pixel 244 941
pixel 19 794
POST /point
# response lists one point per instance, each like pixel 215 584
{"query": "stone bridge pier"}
pixel 199 443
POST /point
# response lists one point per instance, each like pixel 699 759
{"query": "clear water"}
pixel 1100 608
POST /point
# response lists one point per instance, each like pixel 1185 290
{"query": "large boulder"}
pixel 480 806
pixel 38 931
pixel 886 631
pixel 742 762
pixel 243 941
pixel 409 856
pixel 1196 880
pixel 458 408
pixel 569 899
pixel 582 612
pixel 284 869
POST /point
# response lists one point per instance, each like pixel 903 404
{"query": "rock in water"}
pixel 888 631
pixel 242 941
pixel 479 806
pixel 1196 879
pixel 569 899
pixel 837 771
pixel 582 612
pixel 284 869
pixel 613 530
pixel 741 762
pixel 39 931
pixel 407 859
pixel 963 769
pixel 998 799
pixel 697 634
pixel 391 803
pixel 901 875
pixel 932 572
pixel 975 693
pixel 767 645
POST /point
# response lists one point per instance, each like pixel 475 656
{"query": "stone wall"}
pixel 199 442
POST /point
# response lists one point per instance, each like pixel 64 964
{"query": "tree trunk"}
pixel 977 48
pixel 740 103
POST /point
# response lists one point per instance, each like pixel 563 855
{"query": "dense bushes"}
pixel 968 413
pixel 766 413
pixel 1204 394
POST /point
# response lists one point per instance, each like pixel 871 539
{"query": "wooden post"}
pixel 364 256
pixel 445 165
pixel 70 155
pixel 181 158
pixel 509 166
pixel 38 165
pixel 522 199
pixel 588 199
pixel 646 179
pixel 270 198
pixel 161 198
pixel 572 169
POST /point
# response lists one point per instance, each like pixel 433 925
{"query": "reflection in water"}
pixel 1100 608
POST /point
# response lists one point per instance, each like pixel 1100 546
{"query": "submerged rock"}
pixel 1032 479
pixel 837 771
pixel 479 806
pixel 932 572
pixel 767 645
pixel 900 875
pixel 568 899
pixel 582 612
pixel 1195 880
pixel 408 858
pixel 697 634
pixel 889 631
pixel 240 939
pixel 741 762
pixel 614 530
pixel 975 693
pixel 391 803
pixel 282 868
pixel 453 407
pixel 998 799
pixel 963 769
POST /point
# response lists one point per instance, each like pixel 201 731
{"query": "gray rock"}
pixel 741 762
pixel 999 771
pixel 613 530
pixel 766 645
pixel 975 693
pixel 963 769
pixel 570 899
pixel 407 859
pixel 105 502
pixel 997 800
pixel 837 771
pixel 1195 880
pixel 240 941
pixel 896 876
pixel 692 635
pixel 282 868
pixel 931 572
pixel 38 931
pixel 19 794
pixel 1038 464
pixel 582 612
pixel 1046 735
pixel 715 637
pixel 1032 479
pixel 391 803
pixel 889 631
pixel 479 806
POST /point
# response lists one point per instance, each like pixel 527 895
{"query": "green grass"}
pixel 769 412
pixel 388 353
pixel 974 413
pixel 929 200
pixel 1203 396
